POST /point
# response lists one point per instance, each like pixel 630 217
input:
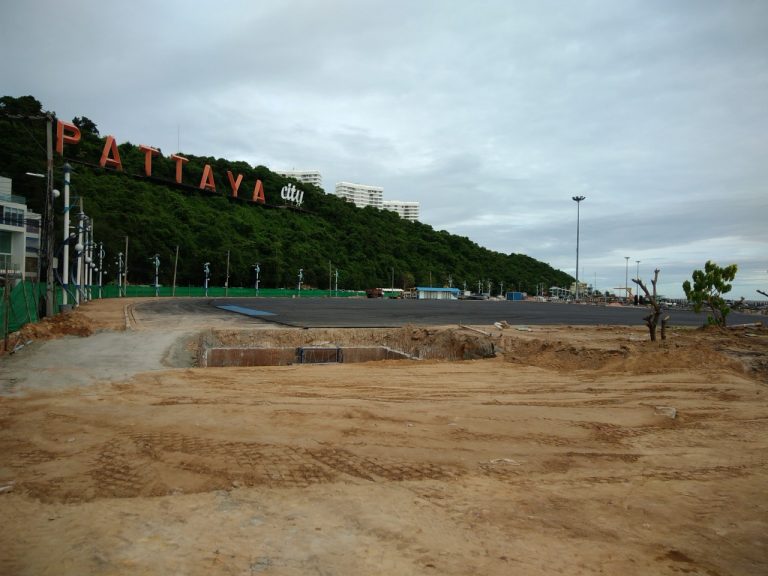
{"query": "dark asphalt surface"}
pixel 353 312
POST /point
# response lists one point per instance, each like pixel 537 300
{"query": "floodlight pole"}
pixel 578 200
pixel 626 279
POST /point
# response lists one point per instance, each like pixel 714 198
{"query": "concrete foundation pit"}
pixel 222 348
pixel 222 357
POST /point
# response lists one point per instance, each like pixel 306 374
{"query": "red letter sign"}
pixel 180 160
pixel 235 184
pixel 206 182
pixel 258 193
pixel 148 153
pixel 113 161
pixel 72 135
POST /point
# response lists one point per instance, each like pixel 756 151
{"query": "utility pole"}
pixel 337 281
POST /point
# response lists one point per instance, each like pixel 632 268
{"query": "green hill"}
pixel 156 214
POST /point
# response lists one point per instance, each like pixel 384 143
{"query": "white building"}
pixel 360 194
pixel 305 176
pixel 406 210
pixel 13 232
pixel 32 255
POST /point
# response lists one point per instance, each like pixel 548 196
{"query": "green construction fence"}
pixel 24 301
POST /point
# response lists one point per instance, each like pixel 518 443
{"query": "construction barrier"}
pixel 24 302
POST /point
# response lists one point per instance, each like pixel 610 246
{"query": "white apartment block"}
pixel 306 176
pixel 406 210
pixel 13 232
pixel 360 194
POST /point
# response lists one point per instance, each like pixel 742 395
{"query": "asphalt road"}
pixel 354 312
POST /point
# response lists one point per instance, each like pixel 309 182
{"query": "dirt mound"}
pixel 631 357
pixel 69 324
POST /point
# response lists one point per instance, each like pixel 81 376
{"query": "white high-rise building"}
pixel 360 194
pixel 307 176
pixel 406 210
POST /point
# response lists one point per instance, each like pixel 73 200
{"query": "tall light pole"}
pixel 626 279
pixel 101 265
pixel 578 200
pixel 65 264
pixel 207 272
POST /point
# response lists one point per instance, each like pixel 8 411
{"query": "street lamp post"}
pixel 301 277
pixel 257 268
pixel 626 279
pixel 578 200
pixel 156 261
pixel 79 249
pixel 207 272
pixel 119 274
pixel 101 266
pixel 65 264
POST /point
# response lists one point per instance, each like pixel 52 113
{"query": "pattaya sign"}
pixel 68 133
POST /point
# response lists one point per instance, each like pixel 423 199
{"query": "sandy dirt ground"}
pixel 573 451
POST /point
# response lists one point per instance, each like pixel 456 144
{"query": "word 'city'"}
pixel 68 133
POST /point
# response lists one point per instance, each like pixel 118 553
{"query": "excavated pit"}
pixel 224 348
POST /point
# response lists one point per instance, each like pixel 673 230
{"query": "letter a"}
pixel 206 182
pixel 110 155
pixel 258 193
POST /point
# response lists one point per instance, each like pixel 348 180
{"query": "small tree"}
pixel 708 288
pixel 652 320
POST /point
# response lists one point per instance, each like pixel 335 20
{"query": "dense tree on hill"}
pixel 366 245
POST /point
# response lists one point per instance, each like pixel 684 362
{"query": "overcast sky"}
pixel 491 114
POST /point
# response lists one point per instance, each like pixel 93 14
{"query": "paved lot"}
pixel 345 312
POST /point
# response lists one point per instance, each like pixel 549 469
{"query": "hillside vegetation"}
pixel 156 214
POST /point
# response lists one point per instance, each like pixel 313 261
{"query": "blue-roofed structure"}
pixel 423 293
